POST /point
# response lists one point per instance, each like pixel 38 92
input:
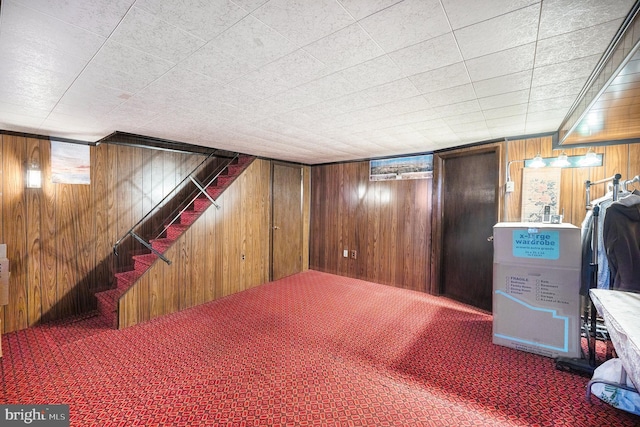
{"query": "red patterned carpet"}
pixel 311 349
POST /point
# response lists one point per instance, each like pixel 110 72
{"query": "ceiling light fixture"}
pixel 537 162
pixel 590 159
pixel 562 161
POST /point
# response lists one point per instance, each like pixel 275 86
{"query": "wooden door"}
pixel 286 227
pixel 469 212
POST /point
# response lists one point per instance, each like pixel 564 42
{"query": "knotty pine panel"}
pixel 34 283
pixel 217 240
pixel 15 231
pixel 48 239
pixel 382 221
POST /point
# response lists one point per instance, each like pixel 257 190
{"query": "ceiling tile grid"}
pixel 322 81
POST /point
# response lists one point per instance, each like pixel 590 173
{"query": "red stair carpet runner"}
pixel 108 300
pixel 311 349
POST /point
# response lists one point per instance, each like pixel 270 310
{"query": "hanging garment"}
pixel 621 236
pixel 586 237
pixel 604 272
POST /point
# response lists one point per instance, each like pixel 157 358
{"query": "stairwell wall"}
pixel 225 251
pixel 59 238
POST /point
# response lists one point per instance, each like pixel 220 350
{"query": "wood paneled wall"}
pixel 623 159
pixel 225 251
pixel 59 238
pixel 388 223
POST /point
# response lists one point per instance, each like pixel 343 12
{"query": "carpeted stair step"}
pixel 188 217
pixel 201 203
pixel 234 170
pixel 143 262
pixel 214 191
pixel 175 230
pixel 224 180
pixel 125 279
pixel 161 245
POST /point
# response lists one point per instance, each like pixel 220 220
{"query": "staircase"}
pixel 153 249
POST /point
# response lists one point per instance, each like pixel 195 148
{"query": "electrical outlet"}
pixel 345 253
pixel 509 187
pixel 354 254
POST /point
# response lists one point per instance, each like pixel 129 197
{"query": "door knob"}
pixel 275 227
pixel 490 239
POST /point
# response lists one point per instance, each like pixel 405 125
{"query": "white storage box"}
pixel 536 284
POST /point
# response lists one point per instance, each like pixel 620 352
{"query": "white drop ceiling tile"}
pixel 504 99
pixel 262 84
pixel 503 84
pixel 416 117
pixel 555 116
pixel 253 42
pixel 441 78
pixel 121 67
pixel 511 110
pixel 204 19
pixel 32 80
pixel 35 54
pixel 465 107
pixel 30 96
pixel 345 48
pixel 352 102
pixel 567 88
pixel 362 8
pixel 250 5
pixel 503 32
pixel 428 55
pixel 563 71
pixel 293 99
pixel 322 109
pixel 212 62
pixel 128 115
pixel 564 16
pixel 406 23
pixel 474 135
pixel 576 44
pixel 329 87
pixel 8 119
pixel 454 121
pixel 502 63
pixel 143 31
pixel 304 22
pixel 408 105
pixel 81 99
pixel 97 16
pixel 452 95
pixel 389 92
pixel 49 32
pixel 540 127
pixel 371 73
pixel 562 102
pixel 462 13
pixel 460 128
pixel 289 71
pixel 511 122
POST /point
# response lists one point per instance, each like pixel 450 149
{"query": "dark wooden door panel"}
pixel 469 215
pixel 287 221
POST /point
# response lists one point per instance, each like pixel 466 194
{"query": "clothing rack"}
pixel 630 181
pixel 587 366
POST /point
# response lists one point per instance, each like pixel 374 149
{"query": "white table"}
pixel 621 313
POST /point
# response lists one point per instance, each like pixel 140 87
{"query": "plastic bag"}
pixel 611 370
